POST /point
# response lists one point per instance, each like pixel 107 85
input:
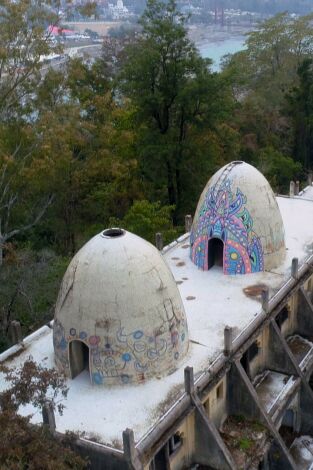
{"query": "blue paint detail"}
pixel 183 336
pixel 176 356
pixel 138 334
pixel 63 343
pixel 73 332
pixel 97 378
pixel 83 335
pixel 126 357
pixel 125 378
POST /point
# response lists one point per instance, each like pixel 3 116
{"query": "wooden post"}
pixel 188 223
pixel 294 268
pixel 159 241
pixel 189 380
pixel 228 340
pixel 48 415
pixel 16 332
pixel 297 188
pixel 130 451
pixel 265 299
pixel 292 188
pixel 310 178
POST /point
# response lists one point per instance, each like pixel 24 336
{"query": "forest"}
pixel 131 138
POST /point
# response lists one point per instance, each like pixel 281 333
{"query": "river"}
pixel 217 49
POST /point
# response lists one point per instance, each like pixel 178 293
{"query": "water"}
pixel 216 50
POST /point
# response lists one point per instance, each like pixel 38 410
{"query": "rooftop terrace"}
pixel 212 301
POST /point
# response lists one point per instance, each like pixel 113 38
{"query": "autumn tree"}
pixel 22 444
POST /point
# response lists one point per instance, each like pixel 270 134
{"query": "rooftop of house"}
pixel 211 300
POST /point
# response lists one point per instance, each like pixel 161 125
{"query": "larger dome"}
pixel 119 313
pixel 238 223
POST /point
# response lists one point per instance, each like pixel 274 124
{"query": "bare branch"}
pixel 6 236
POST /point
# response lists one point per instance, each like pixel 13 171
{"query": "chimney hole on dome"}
pixel 113 232
pixel 215 253
pixel 79 357
pixel 237 162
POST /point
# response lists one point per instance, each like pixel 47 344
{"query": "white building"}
pixel 164 351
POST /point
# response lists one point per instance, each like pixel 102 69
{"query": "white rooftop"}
pixel 212 301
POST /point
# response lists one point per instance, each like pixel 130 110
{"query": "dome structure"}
pixel 119 313
pixel 237 223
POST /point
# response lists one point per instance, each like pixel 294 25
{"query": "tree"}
pixel 174 95
pixel 21 207
pixel 29 285
pixel 24 40
pixel 301 111
pixel 146 218
pixel 23 445
pixel 272 55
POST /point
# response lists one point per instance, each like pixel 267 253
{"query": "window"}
pixel 282 317
pixel 175 442
pixel 253 350
pixel 220 391
pixel 248 356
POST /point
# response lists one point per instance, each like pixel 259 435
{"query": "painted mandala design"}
pixel 223 216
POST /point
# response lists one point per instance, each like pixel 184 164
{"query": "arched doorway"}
pixel 79 357
pixel 215 253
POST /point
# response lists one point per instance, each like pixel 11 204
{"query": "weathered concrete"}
pixel 238 185
pixel 48 415
pixel 304 314
pixel 210 447
pixel 15 330
pixel 269 424
pixel 120 305
pixel 130 452
pixel 188 223
pixel 159 241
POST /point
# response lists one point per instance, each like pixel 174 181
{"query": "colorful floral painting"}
pixel 223 216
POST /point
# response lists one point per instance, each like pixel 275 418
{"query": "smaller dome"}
pixel 237 223
pixel 119 313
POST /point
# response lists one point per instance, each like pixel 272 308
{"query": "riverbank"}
pixel 204 34
pixel 214 41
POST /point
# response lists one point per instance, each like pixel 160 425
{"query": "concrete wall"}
pixel 185 454
pixel 216 402
pixel 230 396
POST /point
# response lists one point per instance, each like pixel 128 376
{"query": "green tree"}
pixel 301 111
pixel 24 41
pixel 146 218
pixel 175 97
pixel 268 65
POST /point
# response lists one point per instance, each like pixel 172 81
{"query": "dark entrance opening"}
pixel 79 357
pixel 161 459
pixel 215 253
pixel 311 382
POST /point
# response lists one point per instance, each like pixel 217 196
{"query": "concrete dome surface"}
pixel 237 223
pixel 119 313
